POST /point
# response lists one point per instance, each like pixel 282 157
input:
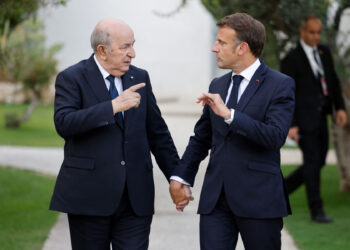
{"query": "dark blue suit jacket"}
pixel 93 174
pixel 245 155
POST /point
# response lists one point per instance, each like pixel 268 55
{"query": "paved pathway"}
pixel 170 229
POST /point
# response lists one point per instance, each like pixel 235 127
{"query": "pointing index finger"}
pixel 137 86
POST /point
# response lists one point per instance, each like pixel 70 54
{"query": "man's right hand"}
pixel 216 104
pixel 181 194
pixel 294 133
pixel 128 99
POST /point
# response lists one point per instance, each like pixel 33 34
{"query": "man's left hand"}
pixel 216 104
pixel 181 194
pixel 341 118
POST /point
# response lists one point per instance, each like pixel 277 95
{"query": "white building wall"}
pixel 175 50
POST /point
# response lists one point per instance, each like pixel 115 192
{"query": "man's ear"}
pixel 102 51
pixel 243 48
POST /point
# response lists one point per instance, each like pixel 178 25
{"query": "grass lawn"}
pixel 38 131
pixel 314 236
pixel 25 220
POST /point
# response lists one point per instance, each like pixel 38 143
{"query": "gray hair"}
pixel 99 37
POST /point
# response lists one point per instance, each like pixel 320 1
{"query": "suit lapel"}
pixel 96 81
pixel 224 85
pixel 305 61
pixel 253 85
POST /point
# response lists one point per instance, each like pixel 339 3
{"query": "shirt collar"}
pixel 249 72
pixel 104 73
pixel 307 48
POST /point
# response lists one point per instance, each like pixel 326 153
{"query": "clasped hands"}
pixel 181 194
pixel 128 99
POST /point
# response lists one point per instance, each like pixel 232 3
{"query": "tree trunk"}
pixel 12 120
pixel 341 142
pixel 30 110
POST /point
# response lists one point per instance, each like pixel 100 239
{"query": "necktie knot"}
pixel 236 80
pixel 110 78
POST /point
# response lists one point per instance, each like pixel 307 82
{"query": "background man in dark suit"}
pixel 317 94
pixel 106 181
pixel 245 121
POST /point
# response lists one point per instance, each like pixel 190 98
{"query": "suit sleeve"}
pixel 272 132
pixel 159 138
pixel 69 117
pixel 197 148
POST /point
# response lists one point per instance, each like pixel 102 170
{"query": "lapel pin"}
pixel 131 77
pixel 257 80
pixel 320 52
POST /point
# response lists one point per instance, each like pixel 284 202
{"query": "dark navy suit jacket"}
pixel 245 155
pixel 102 156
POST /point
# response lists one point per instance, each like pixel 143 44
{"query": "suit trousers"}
pixel 314 146
pixel 123 230
pixel 219 230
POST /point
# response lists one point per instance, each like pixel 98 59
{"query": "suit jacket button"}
pixel 122 163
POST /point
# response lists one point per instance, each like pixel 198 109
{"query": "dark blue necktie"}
pixel 236 81
pixel 113 92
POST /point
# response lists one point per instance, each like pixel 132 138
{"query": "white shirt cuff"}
pixel 228 121
pixel 179 179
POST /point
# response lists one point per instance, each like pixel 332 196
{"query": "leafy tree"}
pixel 26 60
pixel 13 12
pixel 23 56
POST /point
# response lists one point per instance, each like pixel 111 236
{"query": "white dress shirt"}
pixel 247 75
pixel 105 74
pixel 310 56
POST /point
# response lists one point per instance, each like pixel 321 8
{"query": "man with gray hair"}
pixel 107 114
